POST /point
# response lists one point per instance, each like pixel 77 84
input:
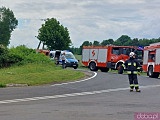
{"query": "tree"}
pixel 123 40
pixel 135 42
pixel 107 42
pixel 96 43
pixel 8 23
pixel 75 50
pixel 54 35
pixel 85 43
pixel 144 42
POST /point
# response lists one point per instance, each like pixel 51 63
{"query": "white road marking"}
pixel 70 95
pixel 95 74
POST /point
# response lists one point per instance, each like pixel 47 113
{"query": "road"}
pixel 105 96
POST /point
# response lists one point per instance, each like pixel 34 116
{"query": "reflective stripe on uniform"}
pixel 128 72
pixel 134 64
pixel 123 66
pixel 138 68
pixel 131 85
pixel 136 85
pixel 135 72
pixel 129 63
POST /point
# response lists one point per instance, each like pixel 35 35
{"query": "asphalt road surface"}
pixel 104 96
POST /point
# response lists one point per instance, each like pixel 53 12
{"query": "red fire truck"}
pixel 107 57
pixel 45 52
pixel 151 60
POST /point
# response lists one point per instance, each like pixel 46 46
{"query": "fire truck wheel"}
pixel 120 70
pixel 92 66
pixel 151 73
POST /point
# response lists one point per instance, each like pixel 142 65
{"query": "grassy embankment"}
pixel 37 74
pixel 34 69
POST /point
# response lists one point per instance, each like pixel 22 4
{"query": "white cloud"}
pixel 126 1
pixel 25 35
pixel 86 19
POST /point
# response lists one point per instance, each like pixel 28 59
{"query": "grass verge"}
pixel 38 74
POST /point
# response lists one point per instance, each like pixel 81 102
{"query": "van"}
pixel 55 56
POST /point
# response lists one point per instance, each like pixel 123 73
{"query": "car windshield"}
pixel 69 56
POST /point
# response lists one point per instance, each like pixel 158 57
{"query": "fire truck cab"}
pixel 105 57
pixel 151 60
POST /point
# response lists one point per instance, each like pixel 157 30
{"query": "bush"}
pixel 20 55
pixel 23 55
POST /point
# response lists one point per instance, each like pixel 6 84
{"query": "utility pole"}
pixel 40 42
pixel 39 45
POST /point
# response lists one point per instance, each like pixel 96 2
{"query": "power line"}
pixel 42 19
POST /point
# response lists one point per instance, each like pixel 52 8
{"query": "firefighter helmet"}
pixel 131 54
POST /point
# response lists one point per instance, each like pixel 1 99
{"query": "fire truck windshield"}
pixel 139 54
pixel 115 51
pixel 120 50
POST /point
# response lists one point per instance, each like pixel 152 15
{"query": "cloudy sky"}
pixel 86 19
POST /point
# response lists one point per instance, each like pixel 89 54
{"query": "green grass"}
pixel 38 74
pixel 116 71
pixel 79 57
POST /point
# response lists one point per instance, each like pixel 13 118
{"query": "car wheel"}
pixel 75 67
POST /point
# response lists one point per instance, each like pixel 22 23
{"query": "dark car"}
pixel 71 61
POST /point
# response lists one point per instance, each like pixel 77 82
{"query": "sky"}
pixel 86 20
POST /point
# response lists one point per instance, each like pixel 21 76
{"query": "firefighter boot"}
pixel 131 90
pixel 131 87
pixel 138 90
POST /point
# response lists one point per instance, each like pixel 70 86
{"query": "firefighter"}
pixel 133 68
